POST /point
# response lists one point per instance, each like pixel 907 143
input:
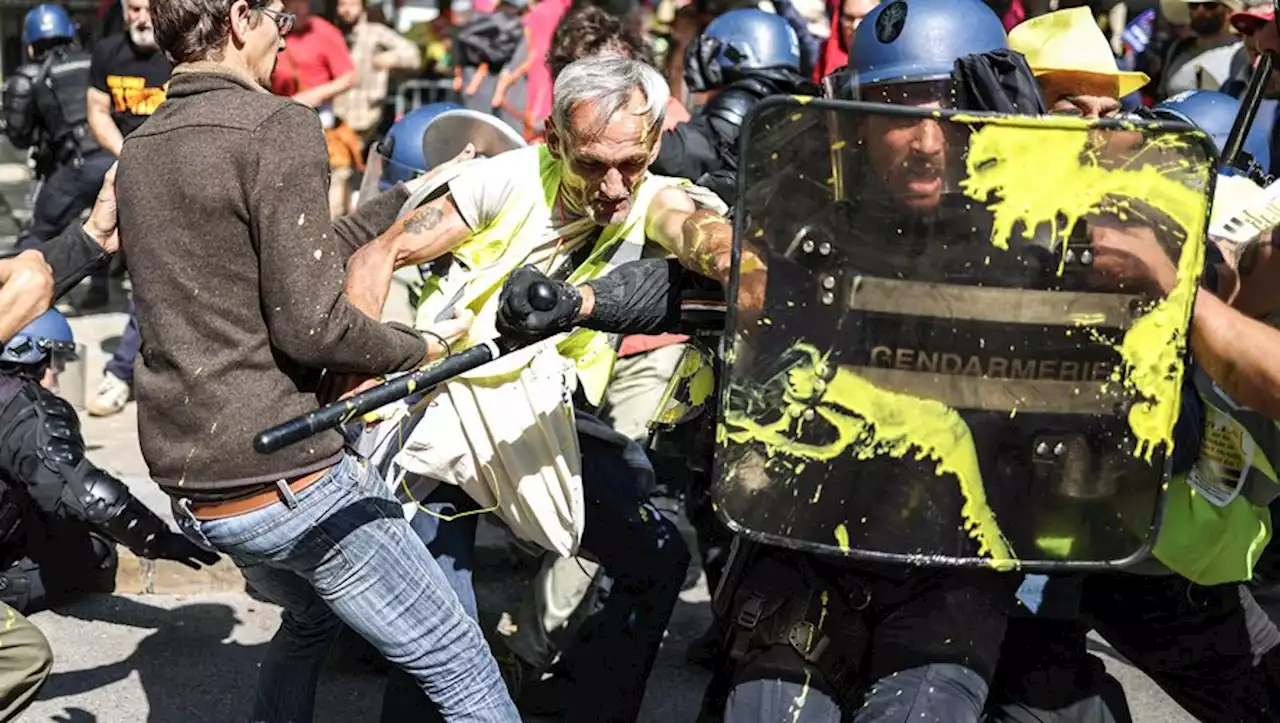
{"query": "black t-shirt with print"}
pixel 135 80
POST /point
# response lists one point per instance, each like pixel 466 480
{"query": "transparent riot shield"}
pixel 957 339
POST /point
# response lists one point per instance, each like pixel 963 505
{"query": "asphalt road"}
pixel 193 659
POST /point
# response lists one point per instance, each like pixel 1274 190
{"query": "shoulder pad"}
pixel 20 83
pixel 733 104
pixel 29 71
pixel 61 444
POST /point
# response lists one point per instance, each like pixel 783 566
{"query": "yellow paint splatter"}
pixel 800 699
pixel 842 538
pixel 873 422
pixel 1044 173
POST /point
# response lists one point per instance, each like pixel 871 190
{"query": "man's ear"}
pixel 552 138
pixel 240 22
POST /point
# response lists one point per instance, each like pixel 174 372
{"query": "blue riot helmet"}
pixel 48 336
pixel 398 157
pixel 740 41
pixel 1215 113
pixel 428 137
pixel 47 22
pixel 918 41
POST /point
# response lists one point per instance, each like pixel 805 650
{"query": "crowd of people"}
pixel 245 160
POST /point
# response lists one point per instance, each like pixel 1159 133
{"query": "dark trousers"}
pixel 120 365
pixel 641 551
pixel 931 643
pixel 1212 649
pixel 68 192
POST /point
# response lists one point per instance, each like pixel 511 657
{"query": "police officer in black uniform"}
pixel 742 57
pixel 44 109
pixel 44 471
pixel 42 456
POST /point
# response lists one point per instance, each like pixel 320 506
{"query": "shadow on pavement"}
pixel 190 669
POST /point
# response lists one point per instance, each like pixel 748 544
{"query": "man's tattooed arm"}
pixel 422 235
pixel 424 219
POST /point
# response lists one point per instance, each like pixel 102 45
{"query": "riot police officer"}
pixel 44 109
pixel 43 467
pixel 742 57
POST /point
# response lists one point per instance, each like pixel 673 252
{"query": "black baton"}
pixel 542 296
pixel 1249 103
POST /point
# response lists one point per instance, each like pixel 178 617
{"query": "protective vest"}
pixel 59 88
pixel 1216 517
pixel 491 253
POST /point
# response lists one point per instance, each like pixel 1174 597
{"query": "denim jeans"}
pixel 639 548
pixel 120 365
pixel 340 551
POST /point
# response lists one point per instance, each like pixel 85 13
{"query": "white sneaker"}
pixel 113 395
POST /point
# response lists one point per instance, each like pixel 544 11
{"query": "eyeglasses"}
pixel 284 21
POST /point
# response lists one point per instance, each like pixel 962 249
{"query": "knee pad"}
pixel 785 617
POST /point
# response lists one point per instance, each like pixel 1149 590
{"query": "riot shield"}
pixel 957 339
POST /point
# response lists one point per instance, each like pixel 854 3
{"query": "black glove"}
pixel 638 297
pixel 170 545
pixel 527 318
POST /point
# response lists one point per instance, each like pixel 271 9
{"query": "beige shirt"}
pixel 361 107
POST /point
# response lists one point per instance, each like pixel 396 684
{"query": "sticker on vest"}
pixel 1226 455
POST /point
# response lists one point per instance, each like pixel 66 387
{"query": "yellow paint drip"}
pixel 874 422
pixel 800 699
pixel 842 538
pixel 1043 172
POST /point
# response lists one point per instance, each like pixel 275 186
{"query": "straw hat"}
pixel 1070 41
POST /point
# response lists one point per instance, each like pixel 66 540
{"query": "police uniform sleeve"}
pixel 73 255
pixel 688 151
pixel 43 450
pixel 19 109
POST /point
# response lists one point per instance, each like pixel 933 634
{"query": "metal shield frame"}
pixel 780 107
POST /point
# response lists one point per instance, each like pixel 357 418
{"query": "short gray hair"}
pixel 608 81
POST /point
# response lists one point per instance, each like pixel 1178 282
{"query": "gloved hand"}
pixel 638 297
pixel 169 545
pixel 519 318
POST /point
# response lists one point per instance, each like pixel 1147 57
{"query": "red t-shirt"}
pixel 311 57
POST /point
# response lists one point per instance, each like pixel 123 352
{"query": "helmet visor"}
pixel 380 174
pixel 918 94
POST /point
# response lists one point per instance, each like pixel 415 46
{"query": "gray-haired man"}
pixel 572 209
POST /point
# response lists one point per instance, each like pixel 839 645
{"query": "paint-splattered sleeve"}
pixel 302 264
pixel 375 216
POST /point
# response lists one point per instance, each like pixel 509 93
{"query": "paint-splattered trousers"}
pixel 25 662
pixel 340 551
pixel 646 559
pixel 915 646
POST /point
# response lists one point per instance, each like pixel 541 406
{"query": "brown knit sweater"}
pixel 239 276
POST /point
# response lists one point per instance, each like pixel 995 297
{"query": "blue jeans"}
pixel 641 551
pixel 121 362
pixel 340 551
